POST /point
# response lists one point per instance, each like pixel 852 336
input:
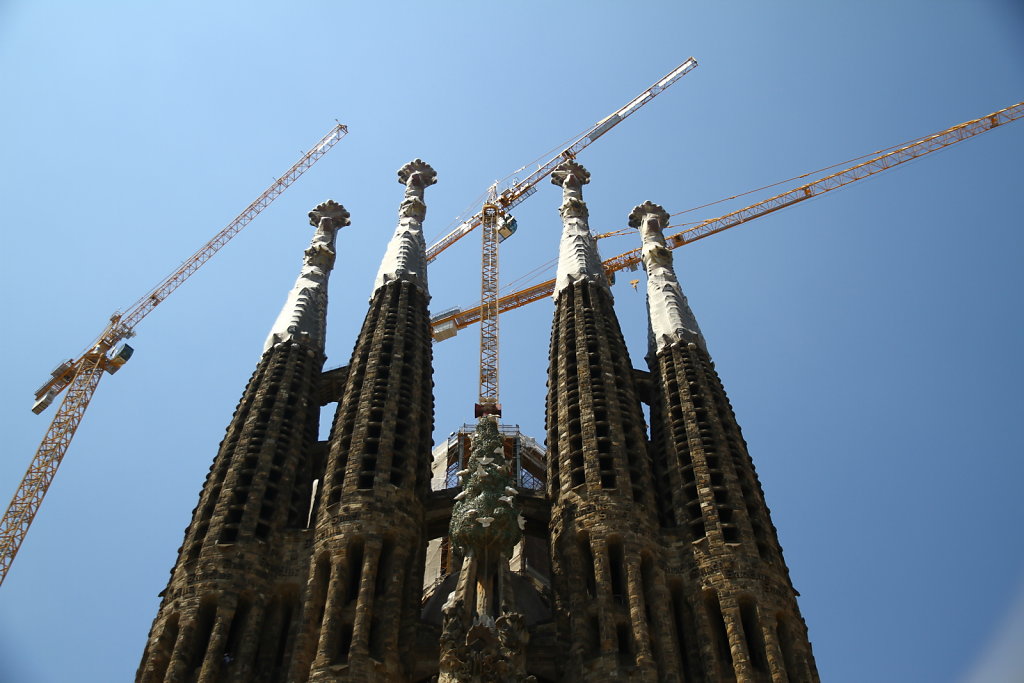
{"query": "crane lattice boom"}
pixel 520 190
pixel 81 377
pixel 122 325
pixel 458 319
pixel 489 404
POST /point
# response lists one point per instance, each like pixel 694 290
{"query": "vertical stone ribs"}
pixel 735 610
pixel 362 598
pixel 610 592
pixel 225 615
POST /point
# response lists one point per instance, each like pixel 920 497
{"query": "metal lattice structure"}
pixel 458 319
pixel 81 377
pixel 488 404
pixel 521 189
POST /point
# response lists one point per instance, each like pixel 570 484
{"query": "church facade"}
pixel 621 551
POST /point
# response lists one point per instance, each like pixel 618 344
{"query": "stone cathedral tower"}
pixel 637 558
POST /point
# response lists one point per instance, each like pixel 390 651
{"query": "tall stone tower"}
pixel 734 606
pixel 231 602
pixel 625 557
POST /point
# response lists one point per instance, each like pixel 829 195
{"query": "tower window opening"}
pixel 238 624
pixel 624 635
pixel 786 644
pixel 384 567
pixel 754 636
pixel 588 565
pixel 617 569
pixel 355 569
pixel 376 640
pixel 686 638
pixel 164 647
pixel 203 629
pixel 720 636
pixel 344 643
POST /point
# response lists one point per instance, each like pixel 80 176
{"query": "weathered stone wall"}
pixel 733 606
pixel 305 560
pixel 362 599
pixel 243 551
pixel 610 593
pixel 736 608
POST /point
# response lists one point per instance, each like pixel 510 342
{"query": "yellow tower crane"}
pixel 108 352
pixel 448 323
pixel 497 225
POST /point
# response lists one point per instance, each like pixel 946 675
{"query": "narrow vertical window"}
pixel 617 568
pixel 719 635
pixel 753 634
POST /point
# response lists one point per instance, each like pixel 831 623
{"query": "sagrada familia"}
pixel 609 554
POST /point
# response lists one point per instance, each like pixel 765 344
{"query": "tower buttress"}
pixel 734 606
pixel 225 611
pixel 606 565
pixel 362 597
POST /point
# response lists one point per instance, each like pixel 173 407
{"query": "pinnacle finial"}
pixel 418 173
pixel 332 210
pixel 636 216
pixel 571 172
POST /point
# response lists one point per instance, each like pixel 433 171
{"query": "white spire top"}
pixel 405 258
pixel 670 314
pixel 577 250
pixel 304 316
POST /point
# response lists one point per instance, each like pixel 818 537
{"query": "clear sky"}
pixel 870 340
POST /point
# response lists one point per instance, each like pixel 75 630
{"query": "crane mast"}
pixel 490 214
pixel 446 325
pixel 107 354
pixel 496 224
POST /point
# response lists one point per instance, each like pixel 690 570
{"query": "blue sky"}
pixel 869 340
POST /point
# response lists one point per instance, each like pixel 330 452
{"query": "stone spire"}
pixel 362 602
pixel 405 258
pixel 610 597
pixel 670 314
pixel 304 316
pixel 233 587
pixel 577 251
pixel 737 613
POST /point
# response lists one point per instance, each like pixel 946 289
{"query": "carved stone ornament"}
pixel 418 173
pixel 655 211
pixel 332 210
pixel 571 172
